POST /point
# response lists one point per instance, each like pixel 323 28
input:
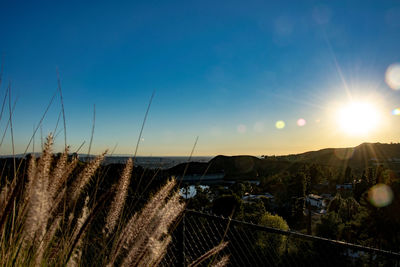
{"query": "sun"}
pixel 358 118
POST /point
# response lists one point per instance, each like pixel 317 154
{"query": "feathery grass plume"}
pixel 156 237
pixel 59 190
pixel 208 254
pixel 45 243
pixel 152 241
pixel 31 177
pixel 43 235
pixel 222 262
pixel 39 204
pixel 77 252
pixel 119 198
pixel 43 170
pixel 154 252
pixel 58 173
pixel 84 177
pixel 3 198
pixel 138 223
pixel 172 209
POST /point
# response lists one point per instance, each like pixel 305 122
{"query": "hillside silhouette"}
pixel 250 167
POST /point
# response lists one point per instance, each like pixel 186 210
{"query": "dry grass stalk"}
pixel 61 188
pixel 39 204
pixel 46 240
pixel 155 252
pixel 167 215
pixel 120 197
pixel 58 173
pixel 49 239
pixel 84 177
pixel 137 224
pixel 4 197
pixel 151 242
pixel 208 254
pixel 31 177
pixel 77 252
pixel 159 239
pixel 222 262
pixel 42 196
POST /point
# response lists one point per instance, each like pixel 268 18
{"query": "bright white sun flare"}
pixel 358 118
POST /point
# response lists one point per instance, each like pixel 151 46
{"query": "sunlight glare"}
pixel 392 76
pixel 358 118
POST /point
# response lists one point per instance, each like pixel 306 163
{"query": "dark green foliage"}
pixel 266 240
pixel 360 188
pixel 253 211
pixel 227 205
pixel 348 175
pixel 297 186
pixel 329 226
pixel 201 201
pixel 315 174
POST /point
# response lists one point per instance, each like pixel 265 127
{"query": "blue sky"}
pixel 225 72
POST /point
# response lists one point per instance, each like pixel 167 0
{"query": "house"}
pixel 315 201
pixel 327 196
pixel 347 186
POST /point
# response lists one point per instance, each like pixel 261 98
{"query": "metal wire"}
pixel 256 245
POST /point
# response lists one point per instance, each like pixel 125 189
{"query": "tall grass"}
pixel 44 219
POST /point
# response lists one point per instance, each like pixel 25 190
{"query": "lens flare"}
pixel 396 111
pixel 380 195
pixel 392 76
pixel 280 124
pixel 241 128
pixel 301 122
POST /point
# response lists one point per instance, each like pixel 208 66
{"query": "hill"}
pixel 250 167
pixel 358 157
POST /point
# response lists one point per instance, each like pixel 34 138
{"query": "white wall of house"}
pixel 315 202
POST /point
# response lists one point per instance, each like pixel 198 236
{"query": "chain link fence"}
pixel 255 245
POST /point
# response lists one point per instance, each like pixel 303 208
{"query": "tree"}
pixel 346 208
pixel 253 211
pixel 227 205
pixel 360 188
pixel 269 240
pixel 335 203
pixel 201 200
pixel 298 209
pixel 379 174
pixel 239 189
pixel 348 176
pixel 297 185
pixel 371 177
pixel 315 174
pixel 329 226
